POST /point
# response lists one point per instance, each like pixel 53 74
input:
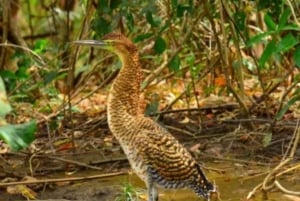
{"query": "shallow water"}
pixel 233 185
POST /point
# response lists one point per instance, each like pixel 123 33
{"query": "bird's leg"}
pixel 152 191
pixel 154 194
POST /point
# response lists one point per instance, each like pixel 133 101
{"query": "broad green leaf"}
pixel 267 53
pixel 159 45
pixel 284 18
pixel 285 108
pixel 270 23
pixel 296 56
pixel 18 136
pixel 286 43
pixel 239 18
pixel 267 139
pixel 142 37
pixel 4 104
pixel 257 38
pixel 175 64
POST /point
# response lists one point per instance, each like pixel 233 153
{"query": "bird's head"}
pixel 114 42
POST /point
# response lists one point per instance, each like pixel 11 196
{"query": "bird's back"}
pixel 155 154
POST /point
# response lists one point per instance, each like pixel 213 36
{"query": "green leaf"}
pixel 142 37
pixel 18 136
pixel 296 56
pixel 150 19
pixel 284 18
pixel 285 108
pixel 4 104
pixel 270 23
pixel 267 139
pixel 40 46
pixel 101 26
pixel 159 45
pixel 163 28
pixel 174 4
pixel 182 8
pixel 286 43
pixel 175 64
pixel 240 19
pixel 257 38
pixel 290 27
pixel 115 4
pixel 267 53
pixel 130 21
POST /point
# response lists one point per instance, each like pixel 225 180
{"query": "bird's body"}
pixel 154 154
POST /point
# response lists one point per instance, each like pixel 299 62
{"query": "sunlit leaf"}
pixel 18 136
pixel 291 27
pixel 285 107
pixel 267 139
pixel 267 53
pixel 270 23
pixel 159 45
pixel 175 64
pixel 40 46
pixel 286 43
pixel 296 56
pixel 257 38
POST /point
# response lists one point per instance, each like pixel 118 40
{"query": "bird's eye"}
pixel 109 42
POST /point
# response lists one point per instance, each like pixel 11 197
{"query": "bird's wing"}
pixel 165 157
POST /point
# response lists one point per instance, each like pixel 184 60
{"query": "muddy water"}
pixel 234 185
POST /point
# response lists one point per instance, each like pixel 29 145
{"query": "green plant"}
pixel 129 193
pixel 16 136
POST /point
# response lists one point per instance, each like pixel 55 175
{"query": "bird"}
pixel 154 154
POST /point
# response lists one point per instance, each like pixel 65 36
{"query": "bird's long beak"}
pixel 95 43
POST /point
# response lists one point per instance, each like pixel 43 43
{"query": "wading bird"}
pixel 154 154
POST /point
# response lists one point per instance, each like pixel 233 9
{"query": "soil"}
pixel 97 152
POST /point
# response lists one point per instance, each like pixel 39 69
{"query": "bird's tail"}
pixel 201 186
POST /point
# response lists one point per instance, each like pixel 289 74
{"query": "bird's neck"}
pixel 125 91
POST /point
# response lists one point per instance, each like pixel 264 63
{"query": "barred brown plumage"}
pixel 154 154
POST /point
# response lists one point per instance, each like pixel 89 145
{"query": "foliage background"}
pixel 195 54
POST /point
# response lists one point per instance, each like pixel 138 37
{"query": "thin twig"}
pixel 64 179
